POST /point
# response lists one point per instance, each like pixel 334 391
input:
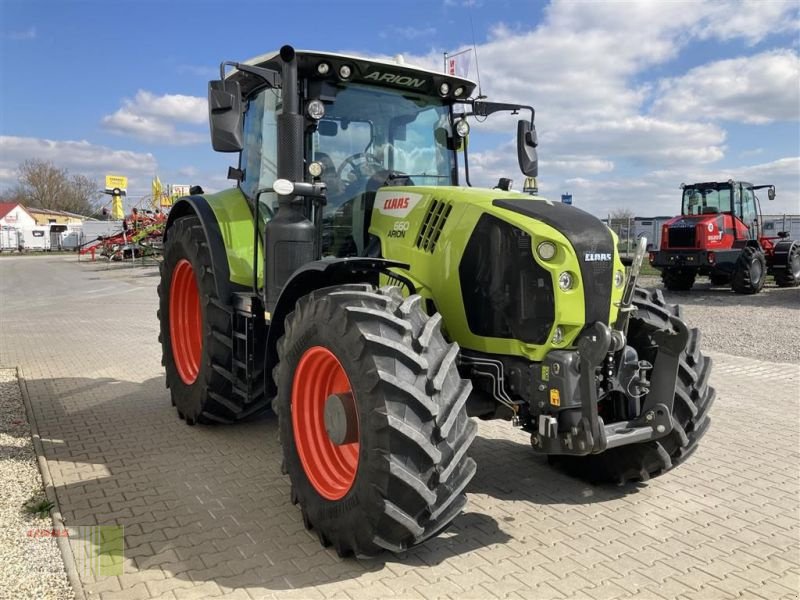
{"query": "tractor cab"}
pixel 347 126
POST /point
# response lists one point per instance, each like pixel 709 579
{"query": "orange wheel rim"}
pixel 185 322
pixel 331 469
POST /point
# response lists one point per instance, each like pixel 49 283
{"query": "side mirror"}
pixel 225 116
pixel 526 148
pixel 771 193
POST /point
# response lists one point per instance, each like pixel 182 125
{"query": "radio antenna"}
pixel 475 49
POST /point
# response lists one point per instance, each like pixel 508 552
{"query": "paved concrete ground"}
pixel 206 510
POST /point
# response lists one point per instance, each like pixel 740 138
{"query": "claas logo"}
pixel 395 203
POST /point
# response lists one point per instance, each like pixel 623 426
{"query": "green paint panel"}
pixel 236 224
pixel 429 227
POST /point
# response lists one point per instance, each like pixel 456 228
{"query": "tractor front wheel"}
pixel 372 419
pixel 751 271
pixel 692 401
pixel 677 279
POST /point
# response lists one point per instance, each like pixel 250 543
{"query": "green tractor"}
pixel 352 284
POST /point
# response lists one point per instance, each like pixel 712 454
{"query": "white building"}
pixel 14 221
pixel 13 214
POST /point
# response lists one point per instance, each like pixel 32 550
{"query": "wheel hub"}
pixel 325 423
pixel 341 421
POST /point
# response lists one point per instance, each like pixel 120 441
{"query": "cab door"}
pixel 749 213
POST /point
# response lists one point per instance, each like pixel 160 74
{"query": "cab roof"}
pixel 385 73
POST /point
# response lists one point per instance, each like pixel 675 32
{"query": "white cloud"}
pixel 658 193
pixel 754 89
pixel 21 35
pixel 751 20
pixel 606 132
pixel 155 118
pixel 641 140
pixel 76 156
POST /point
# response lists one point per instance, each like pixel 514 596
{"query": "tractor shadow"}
pixel 510 470
pixel 200 503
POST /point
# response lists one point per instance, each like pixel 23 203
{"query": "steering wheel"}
pixel 358 162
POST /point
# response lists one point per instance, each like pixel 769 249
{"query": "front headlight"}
pixel 565 281
pixel 546 250
pixel 316 110
pixel 619 278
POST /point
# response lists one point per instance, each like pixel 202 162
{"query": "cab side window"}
pixel 748 206
pixel 259 155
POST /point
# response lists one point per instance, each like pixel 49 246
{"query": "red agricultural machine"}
pixel 720 233
pixel 141 235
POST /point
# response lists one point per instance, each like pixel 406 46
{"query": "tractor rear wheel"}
pixel 790 276
pixel 693 399
pixel 372 419
pixel 678 280
pixel 751 271
pixel 195 331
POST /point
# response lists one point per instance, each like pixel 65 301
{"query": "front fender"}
pixel 313 276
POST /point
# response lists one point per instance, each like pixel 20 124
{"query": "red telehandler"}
pixel 720 233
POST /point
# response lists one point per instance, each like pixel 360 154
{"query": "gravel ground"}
pixel 30 567
pixel 764 326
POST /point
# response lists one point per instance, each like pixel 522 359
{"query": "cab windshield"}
pixel 372 137
pixel 705 200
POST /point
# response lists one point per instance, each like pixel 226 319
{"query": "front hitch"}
pixel 590 435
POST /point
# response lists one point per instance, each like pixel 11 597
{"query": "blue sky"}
pixel 632 99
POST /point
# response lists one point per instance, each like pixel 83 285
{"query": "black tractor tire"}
pixel 790 276
pixel 678 280
pixel 751 271
pixel 693 399
pixel 720 278
pixel 209 398
pixel 413 431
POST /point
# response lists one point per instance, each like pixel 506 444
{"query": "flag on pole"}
pixel 158 192
pixel 458 64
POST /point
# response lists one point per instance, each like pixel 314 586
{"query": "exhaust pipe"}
pixel 289 236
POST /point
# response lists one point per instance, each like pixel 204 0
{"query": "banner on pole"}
pixel 458 64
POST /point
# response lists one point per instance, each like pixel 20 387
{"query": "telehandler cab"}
pixel 349 282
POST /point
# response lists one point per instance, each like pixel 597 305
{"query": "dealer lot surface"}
pixel 206 510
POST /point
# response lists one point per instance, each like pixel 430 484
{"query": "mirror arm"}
pixel 484 109
pixel 266 75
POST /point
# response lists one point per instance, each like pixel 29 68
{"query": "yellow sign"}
pixel 116 181
pixel 555 397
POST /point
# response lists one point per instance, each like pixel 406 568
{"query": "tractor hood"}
pixel 477 252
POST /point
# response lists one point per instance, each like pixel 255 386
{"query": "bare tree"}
pixel 43 185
